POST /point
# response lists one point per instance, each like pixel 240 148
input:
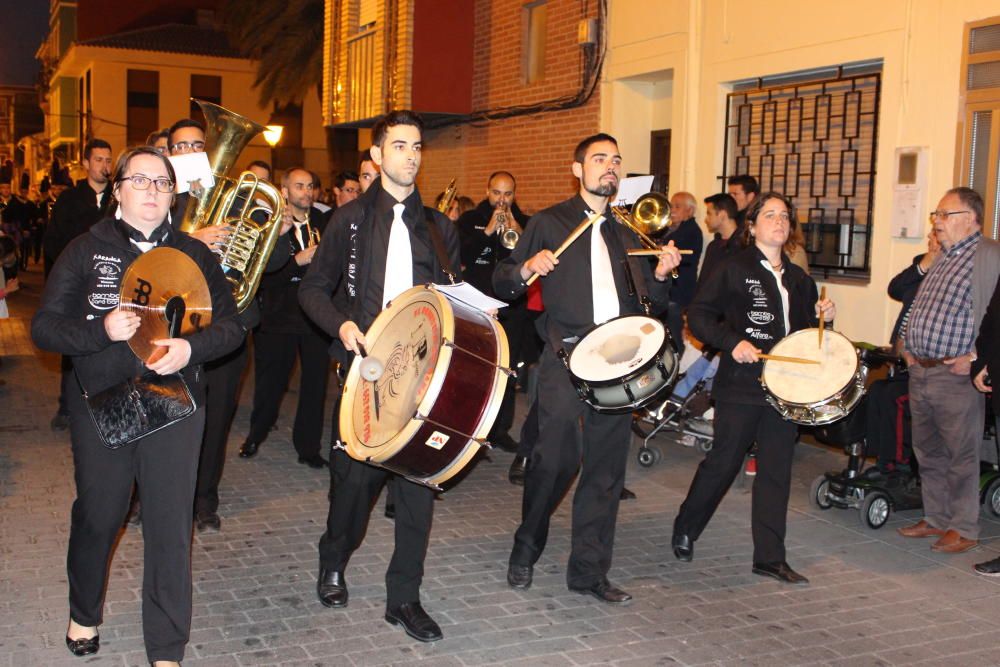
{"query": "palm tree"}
pixel 285 38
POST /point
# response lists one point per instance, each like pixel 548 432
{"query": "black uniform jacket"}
pixel 744 296
pixel 569 301
pixel 334 288
pixel 988 347
pixel 280 311
pixel 73 214
pixel 84 286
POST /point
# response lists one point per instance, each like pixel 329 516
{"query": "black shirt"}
pixel 569 302
pixel 76 210
pixel 718 250
pixel 481 253
pixel 687 236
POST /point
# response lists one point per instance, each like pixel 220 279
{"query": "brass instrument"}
pixel 233 202
pixel 314 235
pixel 450 193
pixel 650 215
pixel 508 237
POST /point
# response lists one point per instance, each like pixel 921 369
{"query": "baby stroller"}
pixel 673 416
pixel 875 497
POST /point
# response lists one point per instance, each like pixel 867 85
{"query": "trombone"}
pixel 650 215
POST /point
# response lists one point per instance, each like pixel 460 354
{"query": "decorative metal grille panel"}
pixel 816 143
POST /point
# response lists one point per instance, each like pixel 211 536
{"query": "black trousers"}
pixel 881 411
pixel 274 359
pixel 67 382
pixel 517 323
pixel 570 431
pixel 737 427
pixel 223 377
pixel 355 487
pixel 164 465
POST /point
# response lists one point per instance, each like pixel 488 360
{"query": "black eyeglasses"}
pixel 188 146
pixel 944 215
pixel 139 182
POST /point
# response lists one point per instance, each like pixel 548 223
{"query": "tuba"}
pixel 234 202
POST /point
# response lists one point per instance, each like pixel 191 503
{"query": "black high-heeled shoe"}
pixel 82 647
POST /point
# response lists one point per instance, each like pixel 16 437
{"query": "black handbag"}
pixel 139 406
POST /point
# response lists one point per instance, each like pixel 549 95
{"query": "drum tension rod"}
pixel 452 345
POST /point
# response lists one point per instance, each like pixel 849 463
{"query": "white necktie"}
pixel 298 233
pixel 602 278
pixel 398 258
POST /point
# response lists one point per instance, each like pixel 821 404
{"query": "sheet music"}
pixel 192 168
pixel 470 296
pixel 630 189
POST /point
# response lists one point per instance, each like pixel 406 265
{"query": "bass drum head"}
pixel 618 347
pixel 804 384
pixel 377 418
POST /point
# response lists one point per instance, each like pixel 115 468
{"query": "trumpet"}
pixel 508 237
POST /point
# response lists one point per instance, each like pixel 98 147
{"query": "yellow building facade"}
pixel 672 63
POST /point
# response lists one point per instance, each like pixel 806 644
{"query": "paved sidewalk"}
pixel 875 598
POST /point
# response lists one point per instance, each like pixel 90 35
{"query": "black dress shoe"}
pixel 683 547
pixel 82 647
pixel 205 520
pixel 314 461
pixel 780 571
pixel 331 588
pixel 604 591
pixel 518 468
pixel 415 621
pixel 249 449
pixel 519 576
pixel 60 423
pixel 626 494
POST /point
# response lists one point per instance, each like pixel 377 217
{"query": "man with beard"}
pixel 587 285
pixel 480 230
pixel 377 247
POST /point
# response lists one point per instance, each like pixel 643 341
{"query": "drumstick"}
pixel 794 360
pixel 580 229
pixel 822 318
pixel 649 252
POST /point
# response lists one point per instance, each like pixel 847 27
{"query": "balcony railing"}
pixel 363 88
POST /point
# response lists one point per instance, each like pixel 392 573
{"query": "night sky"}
pixel 22 29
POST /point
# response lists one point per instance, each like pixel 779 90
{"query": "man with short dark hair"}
pixel 744 189
pixel 346 187
pixel 939 347
pixel 368 171
pixel 586 285
pixel 482 249
pixel 343 296
pixel 285 333
pixel 186 136
pixel 73 214
pixel 721 222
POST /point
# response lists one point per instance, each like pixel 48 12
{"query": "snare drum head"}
pixel 616 348
pixel 406 338
pixel 809 383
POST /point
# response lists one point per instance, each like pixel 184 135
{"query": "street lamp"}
pixel 272 134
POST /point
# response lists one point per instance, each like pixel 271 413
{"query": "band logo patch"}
pixel 437 440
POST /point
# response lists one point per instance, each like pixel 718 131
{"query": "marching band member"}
pixel 378 246
pixel 750 302
pixel 74 319
pixel 586 285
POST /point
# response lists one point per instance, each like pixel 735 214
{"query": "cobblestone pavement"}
pixel 875 598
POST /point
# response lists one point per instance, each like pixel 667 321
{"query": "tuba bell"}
pixel 234 202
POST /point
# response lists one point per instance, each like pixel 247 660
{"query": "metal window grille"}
pixel 815 141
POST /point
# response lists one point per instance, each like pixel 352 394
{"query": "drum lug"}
pixel 628 392
pixel 510 372
pixel 482 442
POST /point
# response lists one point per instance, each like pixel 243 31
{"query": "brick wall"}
pixel 538 148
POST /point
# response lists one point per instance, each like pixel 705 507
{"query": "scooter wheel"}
pixel 647 456
pixel 818 491
pixel 875 510
pixel 991 499
pixel 704 446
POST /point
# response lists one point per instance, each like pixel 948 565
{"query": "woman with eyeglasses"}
pixel 79 317
pixel 749 303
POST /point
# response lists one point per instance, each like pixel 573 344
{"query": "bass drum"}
pixel 623 364
pixel 445 370
pixel 809 394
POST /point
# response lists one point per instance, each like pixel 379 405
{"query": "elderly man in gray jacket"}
pixel 948 412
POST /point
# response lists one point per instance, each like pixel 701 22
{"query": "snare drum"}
pixel 809 394
pixel 445 371
pixel 623 364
